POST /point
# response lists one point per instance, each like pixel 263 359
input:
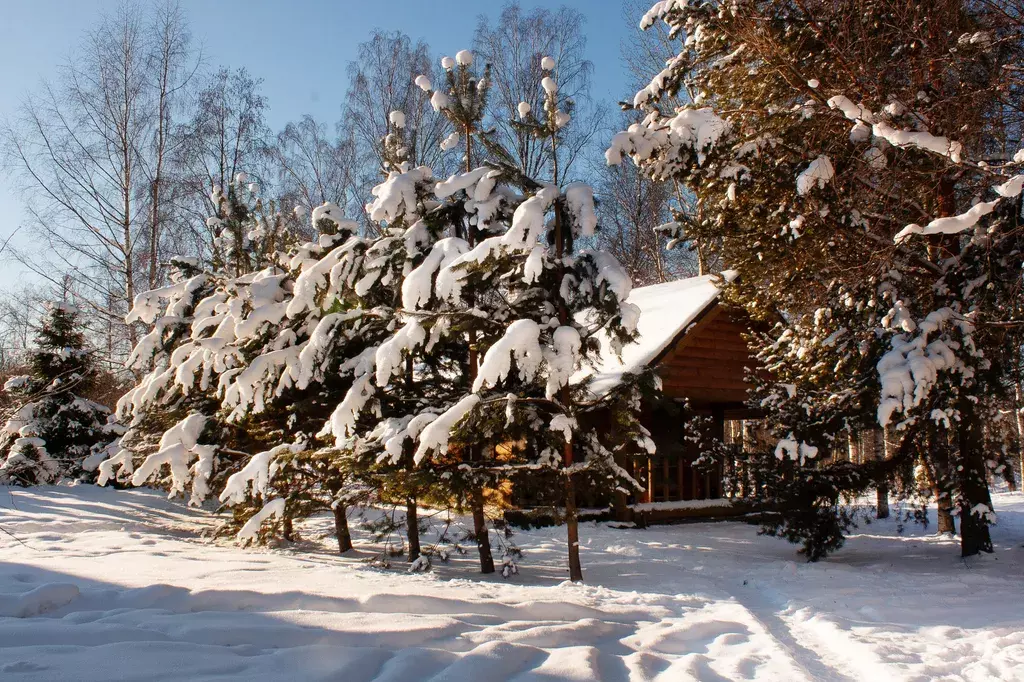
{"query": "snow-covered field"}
pixel 108 585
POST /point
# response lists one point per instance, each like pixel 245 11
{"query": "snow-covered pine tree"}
pixel 470 211
pixel 258 361
pixel 158 415
pixel 304 325
pixel 253 362
pixel 53 431
pixel 575 293
pixel 201 322
pixel 312 367
pixel 390 382
pixel 813 161
pixel 532 307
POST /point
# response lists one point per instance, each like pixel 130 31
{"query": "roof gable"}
pixel 666 312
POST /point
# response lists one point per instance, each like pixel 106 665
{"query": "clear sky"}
pixel 300 48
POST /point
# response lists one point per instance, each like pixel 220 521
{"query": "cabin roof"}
pixel 666 312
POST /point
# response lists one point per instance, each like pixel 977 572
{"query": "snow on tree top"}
pixel 666 310
pixel 63 307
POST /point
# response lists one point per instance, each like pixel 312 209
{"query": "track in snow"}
pixel 107 585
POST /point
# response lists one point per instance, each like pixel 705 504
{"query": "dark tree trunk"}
pixel 565 398
pixel 974 533
pixel 1008 475
pixel 573 530
pixel 341 528
pixel 883 500
pixel 412 528
pixel 483 540
pixel 476 496
pixel 620 506
pixel 940 247
pixel 882 489
pixel 412 521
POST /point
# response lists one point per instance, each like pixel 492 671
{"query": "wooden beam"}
pixel 706 395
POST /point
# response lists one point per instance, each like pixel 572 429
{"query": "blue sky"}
pixel 300 48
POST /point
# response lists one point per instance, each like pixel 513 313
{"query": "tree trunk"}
pixel 853 438
pixel 938 480
pixel 944 512
pixel 483 541
pixel 341 528
pixel 412 522
pixel 882 500
pixel 882 488
pixel 412 528
pixel 1007 471
pixel 565 398
pixel 154 231
pixel 975 500
pixel 476 495
pixel 573 530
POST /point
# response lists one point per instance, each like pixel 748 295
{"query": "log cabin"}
pixel 695 343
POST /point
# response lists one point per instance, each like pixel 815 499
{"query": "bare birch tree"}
pixel 381 80
pixel 227 134
pixel 171 71
pixel 313 167
pixel 632 206
pixel 78 147
pixel 91 151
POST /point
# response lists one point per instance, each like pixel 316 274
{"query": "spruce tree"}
pixel 814 164
pixel 467 219
pixel 53 431
pixel 389 384
pixel 529 304
pixel 204 323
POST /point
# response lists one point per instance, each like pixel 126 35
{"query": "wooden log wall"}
pixel 708 364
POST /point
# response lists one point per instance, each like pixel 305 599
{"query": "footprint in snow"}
pixel 22 667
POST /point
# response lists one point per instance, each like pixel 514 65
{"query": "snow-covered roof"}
pixel 666 310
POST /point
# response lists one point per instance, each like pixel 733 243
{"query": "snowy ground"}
pixel 107 585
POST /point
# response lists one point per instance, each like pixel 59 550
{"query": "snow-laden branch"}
pixel 178 447
pixel 956 224
pixel 255 475
pixel 695 130
pixel 434 437
pixel 863 117
pixel 910 369
pixel 272 509
pixel 920 139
